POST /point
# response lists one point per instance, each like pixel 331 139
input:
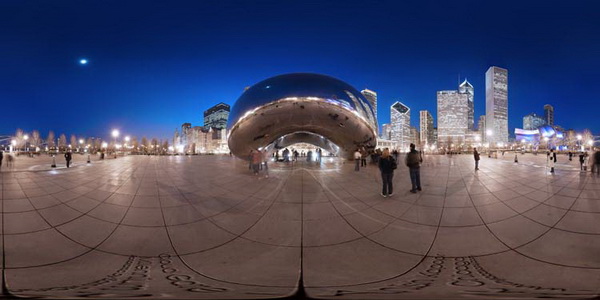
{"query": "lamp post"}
pixel 25 137
pixel 115 134
pixel 579 137
pixel 80 144
pixel 127 139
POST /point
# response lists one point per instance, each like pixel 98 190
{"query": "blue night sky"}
pixel 156 64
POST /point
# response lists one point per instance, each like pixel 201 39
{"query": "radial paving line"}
pixel 179 256
pixel 549 228
pixel 90 249
pixel 423 256
pixel 236 236
pixel 67 203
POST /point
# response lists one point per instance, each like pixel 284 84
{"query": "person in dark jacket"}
pixel 413 162
pixel 476 156
pixel 552 160
pixel 387 164
pixel 581 161
pixel 68 158
pixel 1 157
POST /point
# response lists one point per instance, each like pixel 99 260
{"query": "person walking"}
pixel 357 160
pixel 552 160
pixel 581 161
pixel 476 156
pixel 1 158
pixel 387 165
pixel 68 158
pixel 363 158
pixel 413 162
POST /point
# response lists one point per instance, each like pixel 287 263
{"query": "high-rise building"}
pixel 386 131
pixel 216 116
pixel 414 136
pixel 532 121
pixel 452 117
pixel 426 126
pixel 372 98
pixel 496 104
pixel 481 127
pixel 400 115
pixel 467 88
pixel 548 114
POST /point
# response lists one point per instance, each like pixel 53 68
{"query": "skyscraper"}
pixel 426 127
pixel 216 116
pixel 452 117
pixel 496 104
pixel 532 121
pixel 481 127
pixel 548 114
pixel 372 98
pixel 467 88
pixel 386 131
pixel 400 115
pixel 414 136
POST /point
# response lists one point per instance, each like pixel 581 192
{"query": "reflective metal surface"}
pixel 301 102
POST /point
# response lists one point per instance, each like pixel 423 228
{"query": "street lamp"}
pixel 590 143
pixel 80 144
pixel 25 137
pixel 14 144
pixel 115 134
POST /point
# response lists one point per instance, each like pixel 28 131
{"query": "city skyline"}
pixel 149 67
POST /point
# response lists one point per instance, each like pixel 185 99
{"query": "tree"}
pixel 50 139
pixel 154 145
pixel 144 145
pixel 19 138
pixel 36 139
pixel 135 144
pixel 73 141
pixel 165 146
pixel 62 142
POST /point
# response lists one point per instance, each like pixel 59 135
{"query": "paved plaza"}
pixel 205 227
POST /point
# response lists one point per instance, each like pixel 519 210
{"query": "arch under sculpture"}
pixel 301 107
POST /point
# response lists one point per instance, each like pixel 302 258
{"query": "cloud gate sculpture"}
pixel 301 107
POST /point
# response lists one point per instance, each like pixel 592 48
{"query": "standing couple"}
pixel 387 165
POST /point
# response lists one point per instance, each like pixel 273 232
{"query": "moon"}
pixel 83 61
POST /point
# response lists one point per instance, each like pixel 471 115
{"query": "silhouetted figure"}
pixel 286 155
pixel 552 160
pixel 363 157
pixel 309 156
pixel 413 162
pixel 9 161
pixel 1 158
pixel 476 156
pixel 68 157
pixel 387 164
pixel 581 161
